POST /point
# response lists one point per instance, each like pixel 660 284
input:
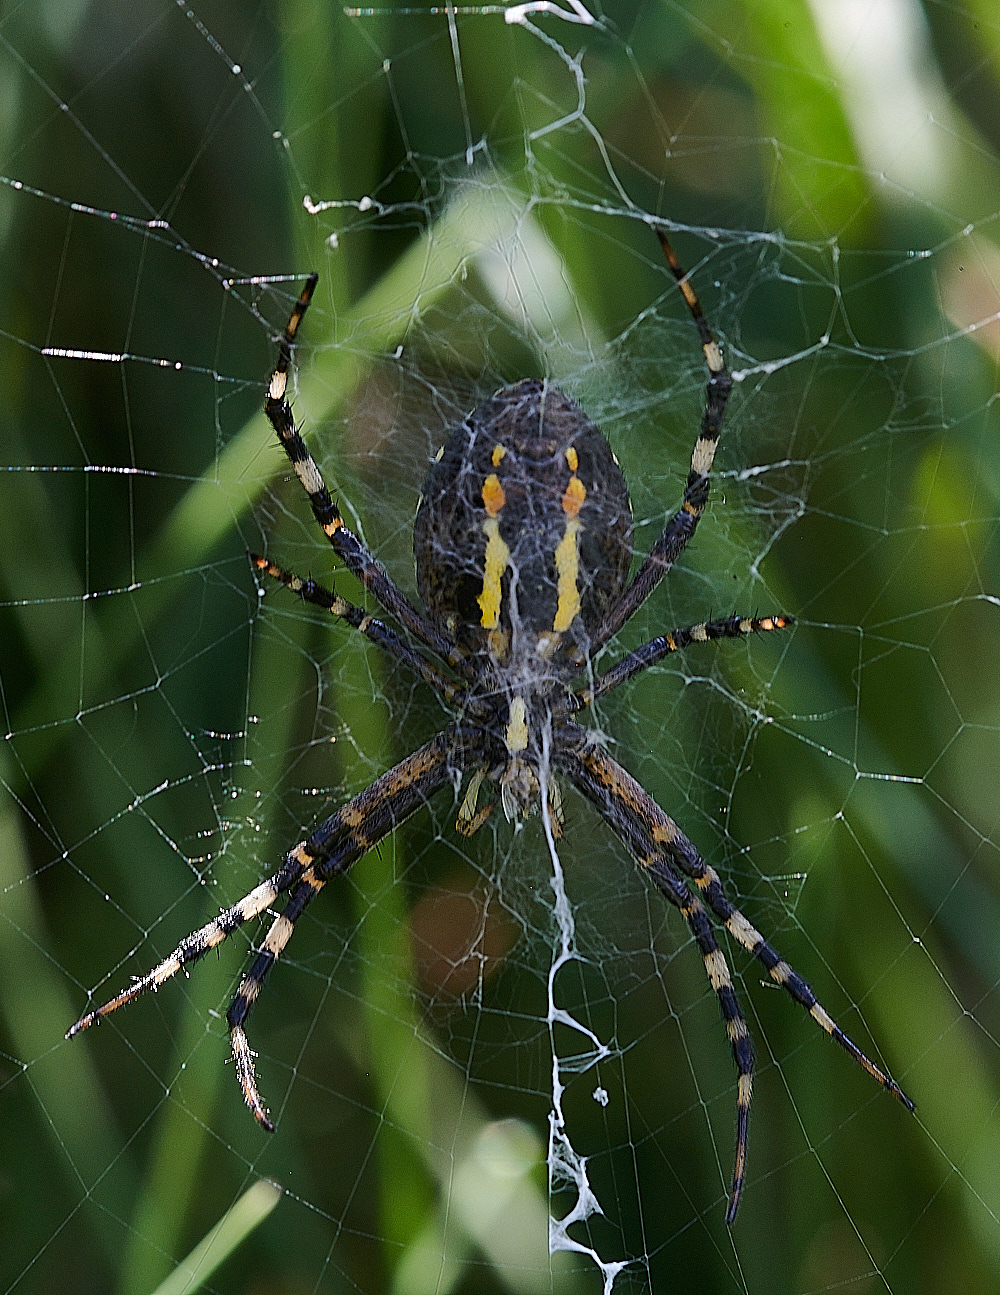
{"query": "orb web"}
pixel 495 1064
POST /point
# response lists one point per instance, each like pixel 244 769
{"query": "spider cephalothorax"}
pixel 523 542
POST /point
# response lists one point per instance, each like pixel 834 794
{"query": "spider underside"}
pixel 523 545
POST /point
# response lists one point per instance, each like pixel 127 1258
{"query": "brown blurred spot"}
pixel 461 935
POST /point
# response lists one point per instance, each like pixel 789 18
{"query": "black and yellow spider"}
pixel 523 543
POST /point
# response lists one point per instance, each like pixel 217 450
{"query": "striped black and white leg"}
pixel 340 841
pixel 681 527
pixel 655 650
pixel 337 843
pixel 198 943
pixel 347 546
pixel 664 851
pixel 692 909
pixel 281 931
pixel 377 631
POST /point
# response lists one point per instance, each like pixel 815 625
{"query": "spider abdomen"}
pixel 524 532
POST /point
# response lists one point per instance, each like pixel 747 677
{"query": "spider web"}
pixel 495 1064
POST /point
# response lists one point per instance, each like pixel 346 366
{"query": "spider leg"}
pixel 279 933
pixel 375 630
pixel 648 654
pixel 693 911
pixel 673 886
pixel 338 842
pixel 631 807
pixel 198 943
pixel 681 527
pixel 664 851
pixel 347 546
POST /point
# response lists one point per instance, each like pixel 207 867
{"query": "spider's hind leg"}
pixel 666 854
pixel 720 978
pixel 641 815
pixel 346 836
pixel 788 978
pixel 210 936
pixel 278 935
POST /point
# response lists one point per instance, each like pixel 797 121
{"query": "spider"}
pixel 523 546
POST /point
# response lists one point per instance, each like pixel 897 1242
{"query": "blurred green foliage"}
pixel 170 734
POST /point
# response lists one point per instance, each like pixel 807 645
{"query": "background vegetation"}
pixel 835 190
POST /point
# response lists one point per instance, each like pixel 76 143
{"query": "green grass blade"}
pixel 218 1244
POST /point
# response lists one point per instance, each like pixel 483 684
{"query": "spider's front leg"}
pixel 663 851
pixel 345 544
pixel 681 527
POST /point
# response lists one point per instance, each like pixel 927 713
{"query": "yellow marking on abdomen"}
pixel 573 497
pixel 494 565
pixel 572 458
pixel 493 495
pixel 497 456
pixel 567 570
